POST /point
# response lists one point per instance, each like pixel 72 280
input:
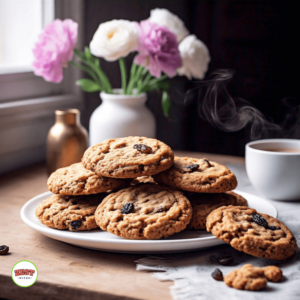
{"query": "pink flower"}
pixel 158 49
pixel 54 49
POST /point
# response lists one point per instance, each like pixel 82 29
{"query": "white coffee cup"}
pixel 275 175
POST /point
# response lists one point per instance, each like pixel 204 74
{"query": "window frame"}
pixel 28 103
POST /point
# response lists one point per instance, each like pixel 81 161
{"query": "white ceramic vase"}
pixel 120 116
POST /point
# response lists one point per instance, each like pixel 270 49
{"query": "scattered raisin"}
pixel 217 275
pixel 127 208
pixel 4 249
pixel 258 219
pixel 225 260
pixel 207 161
pixel 142 148
pixel 212 259
pixel 75 224
pixel 193 167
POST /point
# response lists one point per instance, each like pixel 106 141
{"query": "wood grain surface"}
pixel 66 271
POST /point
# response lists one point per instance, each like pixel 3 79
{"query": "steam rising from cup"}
pixel 216 106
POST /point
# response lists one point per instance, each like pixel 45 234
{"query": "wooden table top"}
pixel 66 271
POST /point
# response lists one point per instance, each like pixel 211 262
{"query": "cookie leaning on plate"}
pixel 76 180
pixel 204 204
pixel 128 157
pixel 251 232
pixel 145 211
pixel 198 175
pixel 74 213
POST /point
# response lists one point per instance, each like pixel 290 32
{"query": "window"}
pixel 21 21
pixel 28 102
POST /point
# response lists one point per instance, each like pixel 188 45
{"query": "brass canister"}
pixel 67 140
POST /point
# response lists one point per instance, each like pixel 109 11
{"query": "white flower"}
pixel 114 39
pixel 163 17
pixel 195 58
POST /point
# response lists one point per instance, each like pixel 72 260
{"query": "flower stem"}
pixel 87 70
pixel 131 79
pixel 96 68
pixel 137 77
pixel 145 82
pixel 123 74
pixel 102 77
pixel 150 84
pixel 134 76
pixel 155 80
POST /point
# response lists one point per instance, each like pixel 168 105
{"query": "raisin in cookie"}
pixel 204 204
pixel 256 234
pixel 247 278
pixel 198 175
pixel 128 157
pixel 74 213
pixel 145 211
pixel 76 180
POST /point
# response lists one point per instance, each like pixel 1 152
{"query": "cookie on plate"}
pixel 74 213
pixel 76 180
pixel 198 175
pixel 128 157
pixel 247 278
pixel 204 204
pixel 145 211
pixel 254 233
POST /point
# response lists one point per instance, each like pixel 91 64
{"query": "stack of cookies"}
pixel 134 188
pixel 206 184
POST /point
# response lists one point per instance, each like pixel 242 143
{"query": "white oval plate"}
pixel 101 240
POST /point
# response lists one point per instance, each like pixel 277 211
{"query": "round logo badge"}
pixel 24 273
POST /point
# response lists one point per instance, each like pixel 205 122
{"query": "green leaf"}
pixel 87 53
pixel 87 70
pixel 88 85
pixel 158 86
pixel 165 103
pixel 78 53
pixel 154 80
pixel 150 88
pixel 101 75
pixel 163 85
pixel 93 64
pixel 96 62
